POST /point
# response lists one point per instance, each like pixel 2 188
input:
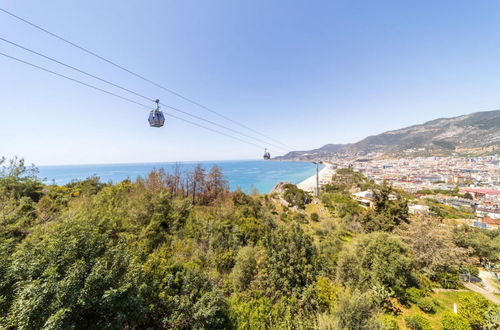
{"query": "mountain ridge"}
pixel 474 133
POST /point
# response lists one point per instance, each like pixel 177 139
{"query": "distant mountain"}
pixel 476 133
pixel 325 150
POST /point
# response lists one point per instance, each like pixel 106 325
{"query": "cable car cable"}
pixel 141 77
pixel 126 98
pixel 137 94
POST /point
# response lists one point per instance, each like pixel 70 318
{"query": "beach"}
pixel 325 176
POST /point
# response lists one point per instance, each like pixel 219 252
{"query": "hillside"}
pixel 160 254
pixel 476 133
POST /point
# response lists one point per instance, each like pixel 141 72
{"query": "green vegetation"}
pixel 449 212
pixel 417 322
pixel 443 316
pixel 182 251
pixel 451 321
pixel 389 211
pixel 484 244
pixel 375 259
pixel 295 196
pixel 346 178
pixel 444 144
pixel 434 252
pixel 426 304
pixel 454 192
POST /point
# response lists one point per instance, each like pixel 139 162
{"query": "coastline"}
pixel 325 176
pixel 243 174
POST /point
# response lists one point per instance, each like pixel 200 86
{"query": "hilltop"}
pixel 475 133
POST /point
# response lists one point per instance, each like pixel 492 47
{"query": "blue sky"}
pixel 304 72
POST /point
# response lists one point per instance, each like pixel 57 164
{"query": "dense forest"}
pixel 180 251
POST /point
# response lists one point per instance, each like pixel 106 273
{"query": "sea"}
pixel 244 174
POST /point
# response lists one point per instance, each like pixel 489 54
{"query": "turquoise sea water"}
pixel 262 175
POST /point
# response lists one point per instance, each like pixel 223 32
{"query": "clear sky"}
pixel 304 72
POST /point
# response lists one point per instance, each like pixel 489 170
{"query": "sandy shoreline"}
pixel 325 176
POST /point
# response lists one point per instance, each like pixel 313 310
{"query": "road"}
pixel 487 277
pixel 488 295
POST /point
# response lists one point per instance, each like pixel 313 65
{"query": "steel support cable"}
pixel 142 77
pixel 135 93
pixel 125 98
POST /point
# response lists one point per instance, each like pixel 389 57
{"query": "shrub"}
pixel 417 322
pixel 389 322
pixel 341 204
pixel 448 280
pixel 473 307
pixel 415 294
pixel 290 260
pixel 249 313
pixel 325 321
pixel 382 297
pixel 492 317
pixel 375 258
pixel 467 195
pixel 469 269
pixel 295 196
pixel 300 218
pixel 424 283
pixel 244 268
pixel 426 304
pixel 452 321
pixel 325 293
pixel 355 310
pixel 314 217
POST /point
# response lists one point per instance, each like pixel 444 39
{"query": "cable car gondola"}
pixel 267 155
pixel 156 118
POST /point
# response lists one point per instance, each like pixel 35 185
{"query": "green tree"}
pixel 250 313
pixel 326 293
pixel 18 180
pixel 389 210
pixel 74 275
pixel 484 246
pixel 178 296
pixel 295 196
pixel 341 204
pixel 375 259
pixel 355 310
pixel 244 269
pixel 290 261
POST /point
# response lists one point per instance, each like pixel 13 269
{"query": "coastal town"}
pixel 459 182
